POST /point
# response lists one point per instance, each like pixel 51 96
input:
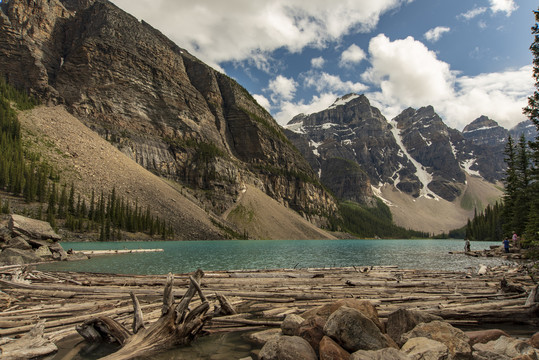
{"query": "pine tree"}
pixel 532 111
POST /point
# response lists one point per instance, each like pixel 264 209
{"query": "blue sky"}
pixel 466 58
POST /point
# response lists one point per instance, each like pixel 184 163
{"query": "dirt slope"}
pixel 437 216
pixel 263 217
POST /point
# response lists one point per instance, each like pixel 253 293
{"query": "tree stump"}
pixel 177 325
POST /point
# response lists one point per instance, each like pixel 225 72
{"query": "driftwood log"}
pixel 177 325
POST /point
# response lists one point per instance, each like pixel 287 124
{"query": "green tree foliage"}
pixel 366 222
pixel 532 111
pixel 486 226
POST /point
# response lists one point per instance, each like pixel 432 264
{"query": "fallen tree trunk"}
pixel 31 345
pixel 176 326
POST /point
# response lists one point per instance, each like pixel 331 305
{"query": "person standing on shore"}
pixel 466 245
pixel 506 244
pixel 515 240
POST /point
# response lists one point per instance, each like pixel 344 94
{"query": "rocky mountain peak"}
pixel 481 123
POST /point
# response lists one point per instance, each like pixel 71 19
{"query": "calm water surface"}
pixel 187 256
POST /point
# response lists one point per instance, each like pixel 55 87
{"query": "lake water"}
pixel 187 256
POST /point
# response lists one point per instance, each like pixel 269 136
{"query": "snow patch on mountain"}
pixel 343 101
pixel 422 174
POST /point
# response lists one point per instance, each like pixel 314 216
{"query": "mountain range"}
pixel 201 134
pixel 359 154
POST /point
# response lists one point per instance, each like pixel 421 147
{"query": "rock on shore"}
pixel 351 332
pixel 24 241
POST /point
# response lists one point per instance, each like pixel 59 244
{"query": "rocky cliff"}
pixel 160 105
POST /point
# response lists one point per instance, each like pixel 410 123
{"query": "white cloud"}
pixel 324 82
pixel 262 101
pixel 435 34
pixel 409 74
pixel 407 71
pixel 353 55
pixel 282 88
pixel 472 13
pixel 216 30
pixel 318 62
pixel 289 109
pixel 506 6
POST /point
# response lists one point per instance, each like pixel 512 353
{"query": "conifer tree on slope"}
pixel 532 111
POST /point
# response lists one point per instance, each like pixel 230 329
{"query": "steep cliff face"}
pixel 160 105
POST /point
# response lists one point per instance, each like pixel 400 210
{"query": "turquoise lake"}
pixel 187 256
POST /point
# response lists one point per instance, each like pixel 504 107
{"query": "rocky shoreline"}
pixel 29 241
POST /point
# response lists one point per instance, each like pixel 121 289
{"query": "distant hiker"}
pixel 466 245
pixel 515 240
pixel 506 244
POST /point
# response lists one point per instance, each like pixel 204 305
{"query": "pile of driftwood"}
pixel 240 300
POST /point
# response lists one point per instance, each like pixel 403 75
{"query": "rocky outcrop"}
pixel 349 333
pixel 161 106
pixel 26 241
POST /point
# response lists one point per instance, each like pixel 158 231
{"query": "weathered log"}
pixel 226 307
pixel 138 319
pixel 176 326
pixel 31 345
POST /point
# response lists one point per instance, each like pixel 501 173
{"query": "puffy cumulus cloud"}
pixel 282 88
pixel 506 6
pixel 318 62
pixel 353 55
pixel 407 71
pixel 218 31
pixel 324 82
pixel 289 109
pixel 435 34
pixel 409 74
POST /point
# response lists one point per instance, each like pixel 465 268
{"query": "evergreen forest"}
pixel 26 175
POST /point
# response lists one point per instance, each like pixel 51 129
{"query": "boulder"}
pixel 455 339
pixel 18 242
pixel 291 324
pixel 330 350
pixel 26 256
pixel 287 348
pixel 506 346
pixel 32 228
pixel 354 331
pixel 383 354
pixel 312 330
pixel 484 336
pixel 534 340
pixel 262 337
pixel 5 234
pixel 403 320
pixel 58 252
pixel 44 252
pixel 421 348
pixel 364 306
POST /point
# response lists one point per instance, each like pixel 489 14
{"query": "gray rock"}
pixel 291 324
pixel 36 229
pixel 403 320
pixel 364 306
pixel 262 337
pixel 383 354
pixel 58 252
pixel 354 331
pixel 11 260
pixel 455 339
pixel 506 346
pixel 421 348
pixel 18 243
pixel 26 256
pixel 287 348
pixel 44 252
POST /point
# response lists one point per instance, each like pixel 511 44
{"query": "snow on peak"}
pixel 296 127
pixel 422 174
pixel 343 100
pixel 480 129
